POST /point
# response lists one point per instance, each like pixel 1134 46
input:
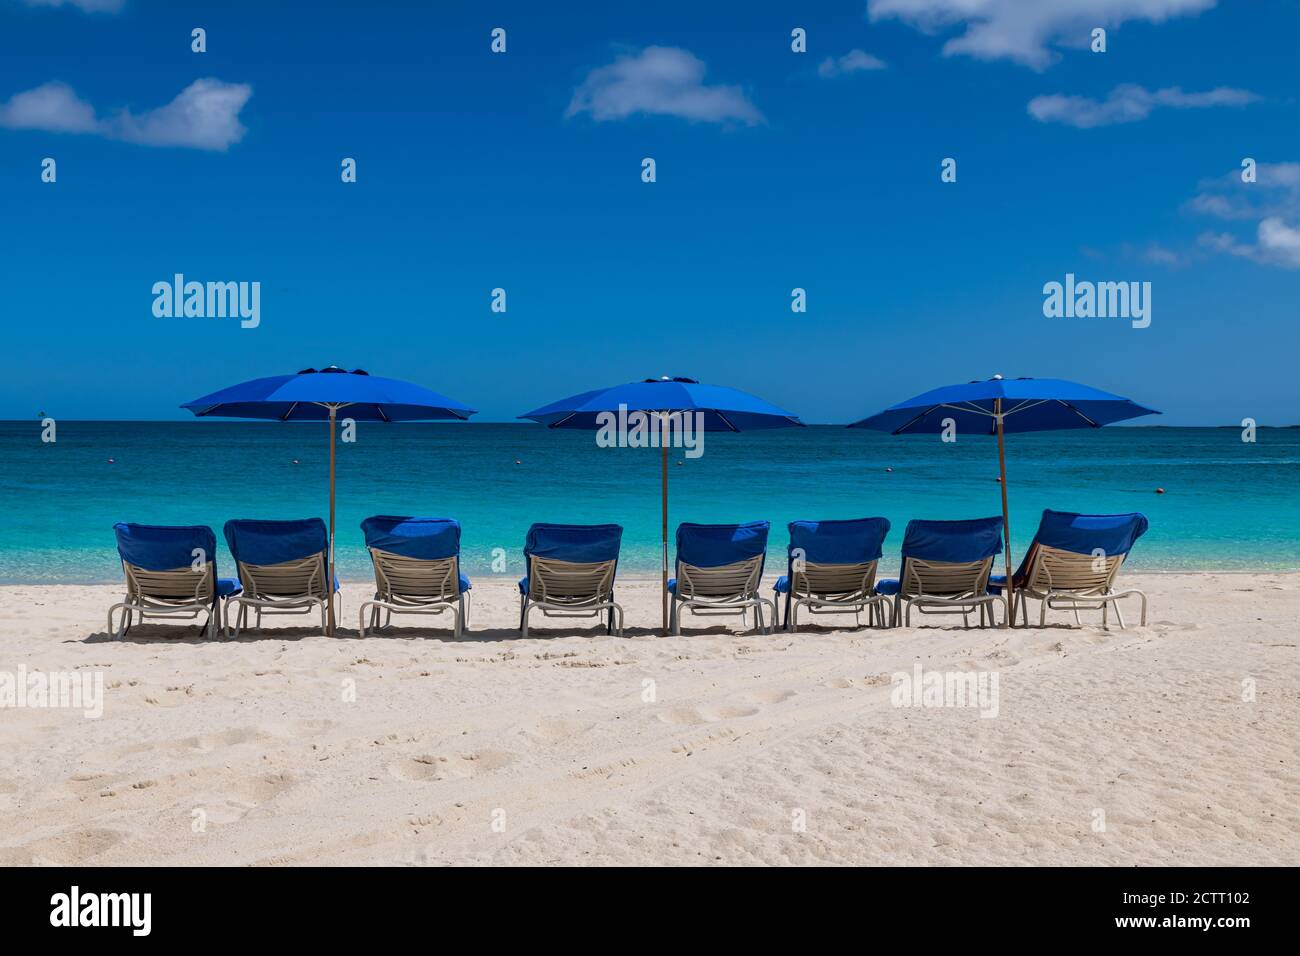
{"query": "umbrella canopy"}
pixel 308 396
pixel 1027 405
pixel 722 409
pixel 999 405
pixel 719 408
pixel 319 395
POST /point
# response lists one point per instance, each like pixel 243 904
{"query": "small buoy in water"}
pixel 1160 491
pixel 889 469
pixel 680 463
pixel 295 461
pixel 518 462
pixel 998 479
pixel 110 461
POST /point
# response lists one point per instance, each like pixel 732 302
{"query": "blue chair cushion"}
pixel 888 586
pixel 782 585
pixel 464 583
pixel 996 583
pixel 523 585
pixel 672 585
pixel 228 587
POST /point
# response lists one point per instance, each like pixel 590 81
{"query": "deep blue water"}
pixel 1229 504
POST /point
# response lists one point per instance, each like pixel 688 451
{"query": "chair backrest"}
pixel 417 558
pixel 280 558
pixel 168 562
pixel 835 557
pixel 720 560
pixel 949 558
pixel 572 563
pixel 1078 552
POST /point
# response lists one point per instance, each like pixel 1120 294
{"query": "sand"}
pixel 1138 746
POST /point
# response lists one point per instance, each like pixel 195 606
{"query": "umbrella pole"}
pixel 1006 514
pixel 329 584
pixel 663 446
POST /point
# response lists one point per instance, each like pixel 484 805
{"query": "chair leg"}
pixel 674 618
pixel 361 624
pixel 1120 614
pixel 523 621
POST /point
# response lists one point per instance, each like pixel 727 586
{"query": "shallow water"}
pixel 1229 505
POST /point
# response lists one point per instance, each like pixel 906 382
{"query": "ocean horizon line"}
pixel 502 421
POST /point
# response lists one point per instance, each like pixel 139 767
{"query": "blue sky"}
pixel 775 170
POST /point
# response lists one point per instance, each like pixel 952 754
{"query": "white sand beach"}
pixel 750 749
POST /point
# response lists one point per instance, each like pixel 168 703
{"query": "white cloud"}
pixel 1275 192
pixel 662 81
pixel 1129 103
pixel 90 6
pixel 1280 242
pixel 1273 201
pixel 855 61
pixel 204 115
pixel 1024 30
pixel 1161 255
pixel 54 107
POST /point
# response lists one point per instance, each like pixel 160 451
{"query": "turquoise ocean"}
pixel 1228 505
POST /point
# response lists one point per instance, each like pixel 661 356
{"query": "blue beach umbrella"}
pixel 719 409
pixel 1000 405
pixel 319 395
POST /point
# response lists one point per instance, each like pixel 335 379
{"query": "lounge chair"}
pixel 719 567
pixel 831 569
pixel 945 570
pixel 417 569
pixel 170 572
pixel 571 570
pixel 282 567
pixel 1073 562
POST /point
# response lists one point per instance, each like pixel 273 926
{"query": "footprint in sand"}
pixel 689 716
pixel 206 743
pixel 244 796
pixel 553 730
pixel 72 848
pixel 764 697
pixel 428 767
